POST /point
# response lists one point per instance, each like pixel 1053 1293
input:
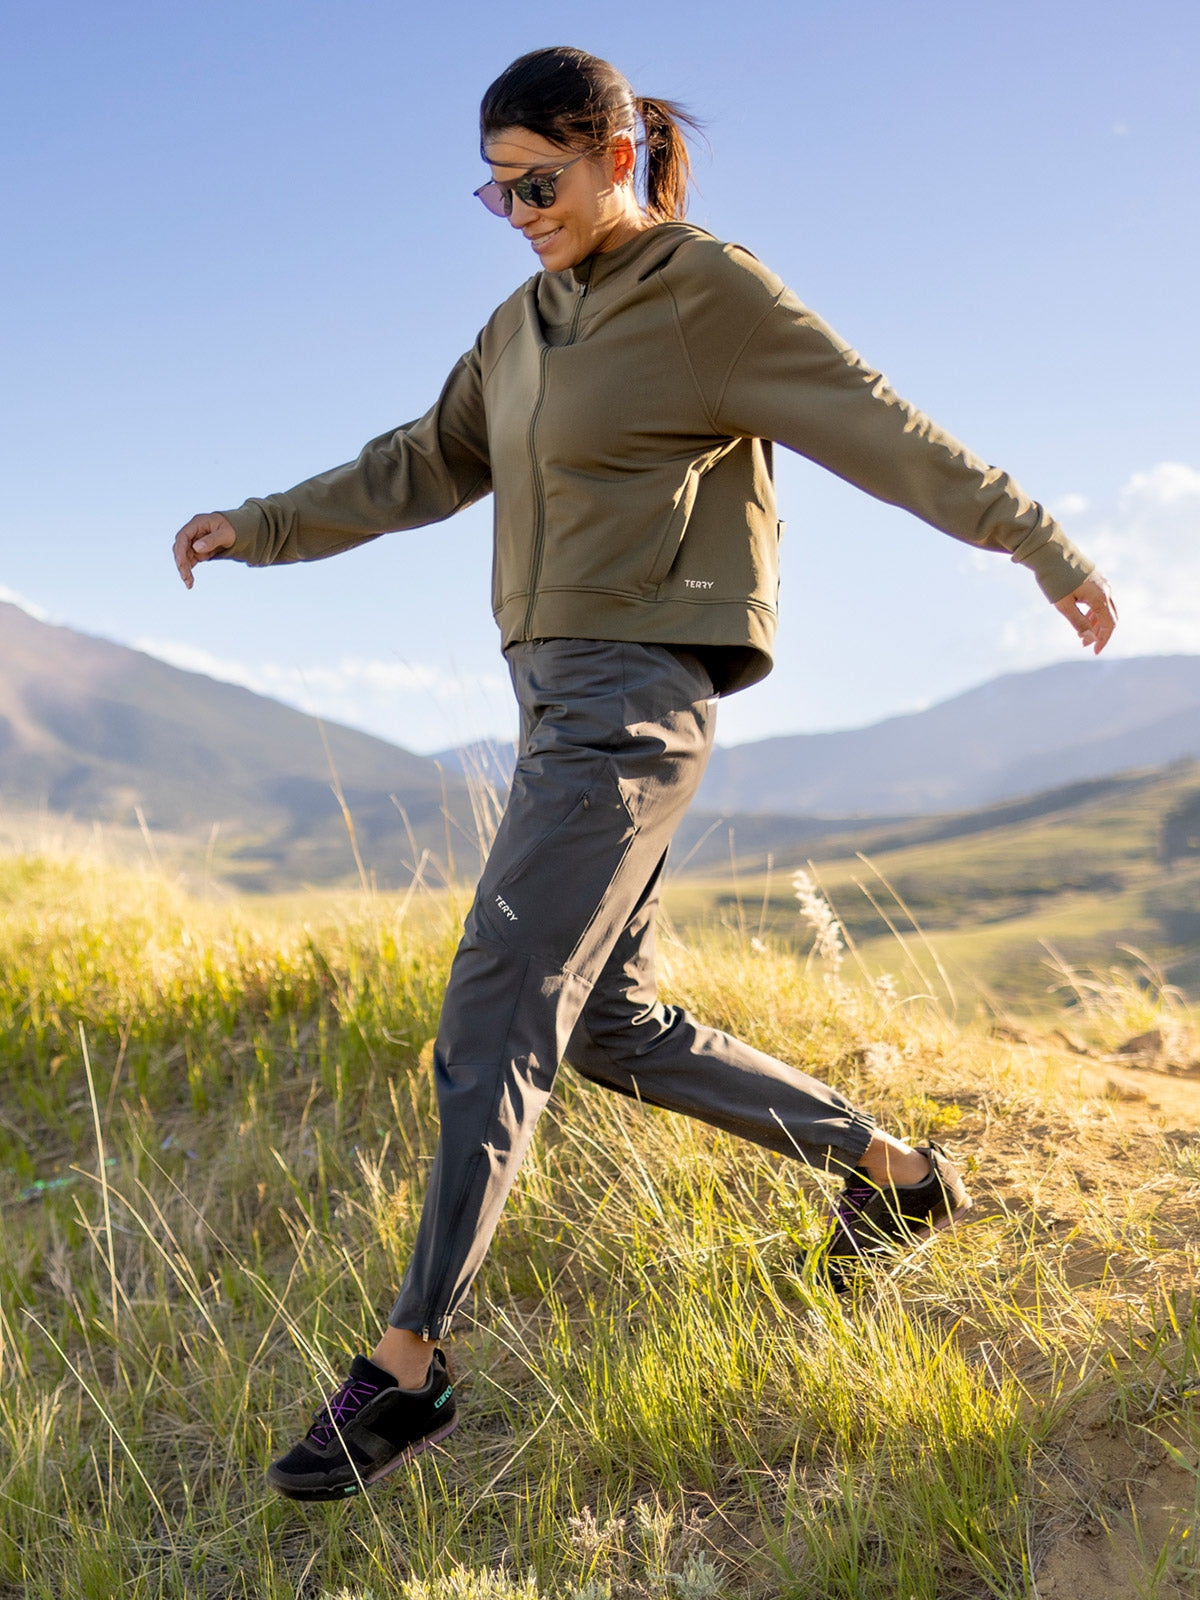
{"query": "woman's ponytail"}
pixel 668 160
pixel 668 165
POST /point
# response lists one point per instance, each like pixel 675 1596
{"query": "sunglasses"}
pixel 535 189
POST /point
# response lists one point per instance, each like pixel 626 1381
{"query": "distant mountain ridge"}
pixel 94 729
pixel 1020 733
pixel 1017 735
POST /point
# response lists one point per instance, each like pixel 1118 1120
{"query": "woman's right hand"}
pixel 1091 611
pixel 200 540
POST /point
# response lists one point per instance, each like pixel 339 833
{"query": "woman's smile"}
pixel 542 241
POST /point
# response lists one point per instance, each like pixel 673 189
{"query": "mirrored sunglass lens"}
pixel 497 200
pixel 537 192
pixel 531 190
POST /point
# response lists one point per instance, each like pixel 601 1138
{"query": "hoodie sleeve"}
pixel 422 472
pixel 795 381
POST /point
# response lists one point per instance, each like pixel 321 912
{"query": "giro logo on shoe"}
pixel 507 909
pixel 696 583
pixel 442 1398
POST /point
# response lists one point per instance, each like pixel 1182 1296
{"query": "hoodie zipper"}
pixel 539 488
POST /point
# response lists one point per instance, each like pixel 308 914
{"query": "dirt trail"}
pixel 1149 1500
pixel 1158 1497
pixel 1141 1497
pixel 1151 1090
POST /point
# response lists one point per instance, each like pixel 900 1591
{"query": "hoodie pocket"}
pixel 672 540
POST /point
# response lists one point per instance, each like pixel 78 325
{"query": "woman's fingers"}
pixel 1091 611
pixel 201 539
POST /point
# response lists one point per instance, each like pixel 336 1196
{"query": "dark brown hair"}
pixel 580 102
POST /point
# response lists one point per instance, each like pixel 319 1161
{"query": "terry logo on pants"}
pixel 507 909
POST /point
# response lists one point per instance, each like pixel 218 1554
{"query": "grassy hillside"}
pixel 1077 873
pixel 216 1121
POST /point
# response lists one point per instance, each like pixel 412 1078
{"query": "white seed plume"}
pixel 825 928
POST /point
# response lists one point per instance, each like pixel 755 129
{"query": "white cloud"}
pixel 191 658
pixel 1070 505
pixel 1147 544
pixel 413 704
pixel 1168 484
pixel 19 600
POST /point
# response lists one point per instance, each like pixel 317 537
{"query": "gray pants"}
pixel 557 955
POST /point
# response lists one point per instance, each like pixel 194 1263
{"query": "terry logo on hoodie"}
pixel 696 583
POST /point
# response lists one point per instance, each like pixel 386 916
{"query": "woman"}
pixel 621 406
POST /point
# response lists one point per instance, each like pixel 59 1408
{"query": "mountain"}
pixel 1019 733
pixel 96 730
pixel 1098 873
pixel 487 761
pixel 720 844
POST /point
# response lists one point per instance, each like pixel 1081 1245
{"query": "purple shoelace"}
pixel 341 1408
pixel 853 1201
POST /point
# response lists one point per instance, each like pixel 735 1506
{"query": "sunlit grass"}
pixel 215 1125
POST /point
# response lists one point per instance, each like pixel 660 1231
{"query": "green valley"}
pixel 1076 872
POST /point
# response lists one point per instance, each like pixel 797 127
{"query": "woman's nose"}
pixel 521 214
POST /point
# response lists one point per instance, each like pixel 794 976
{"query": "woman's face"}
pixel 594 208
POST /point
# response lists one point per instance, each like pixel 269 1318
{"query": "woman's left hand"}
pixel 1091 611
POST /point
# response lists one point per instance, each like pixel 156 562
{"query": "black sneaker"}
pixel 871 1220
pixel 366 1429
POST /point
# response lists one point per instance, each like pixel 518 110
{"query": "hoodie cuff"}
pixel 1058 567
pixel 248 523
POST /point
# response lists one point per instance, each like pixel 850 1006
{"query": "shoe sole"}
pixel 346 1490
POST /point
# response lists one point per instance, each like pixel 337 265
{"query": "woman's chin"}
pixel 558 253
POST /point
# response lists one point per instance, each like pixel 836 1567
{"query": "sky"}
pixel 240 240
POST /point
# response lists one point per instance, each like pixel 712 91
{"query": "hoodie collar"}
pixel 595 269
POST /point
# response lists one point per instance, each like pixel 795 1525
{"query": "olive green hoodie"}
pixel 622 413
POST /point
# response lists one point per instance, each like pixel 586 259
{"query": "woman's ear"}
pixel 624 161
